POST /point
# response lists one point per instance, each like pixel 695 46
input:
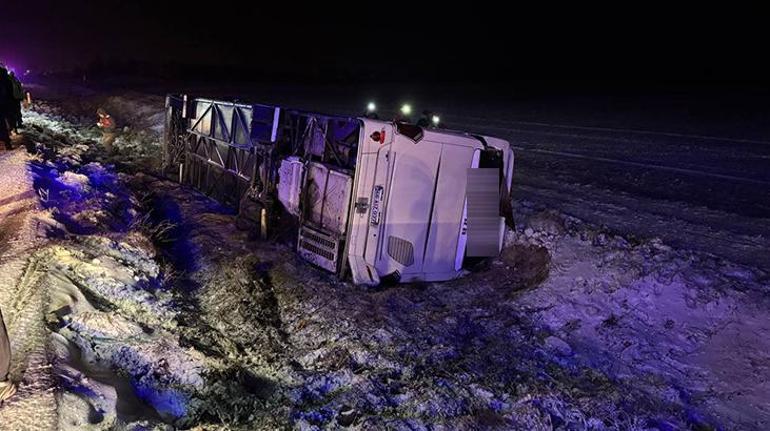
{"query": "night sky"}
pixel 388 41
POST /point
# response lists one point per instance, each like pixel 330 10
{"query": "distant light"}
pixel 436 120
pixel 371 107
pixel 406 109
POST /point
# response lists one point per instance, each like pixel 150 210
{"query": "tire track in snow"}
pixel 22 299
pixel 643 165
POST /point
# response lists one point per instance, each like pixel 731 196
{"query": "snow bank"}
pixel 78 182
pixel 117 341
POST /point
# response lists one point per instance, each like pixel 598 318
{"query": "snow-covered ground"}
pixel 21 301
pixel 633 295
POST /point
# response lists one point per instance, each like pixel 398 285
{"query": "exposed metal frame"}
pixel 228 150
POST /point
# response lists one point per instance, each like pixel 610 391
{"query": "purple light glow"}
pixel 9 66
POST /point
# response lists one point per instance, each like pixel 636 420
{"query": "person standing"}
pixel 6 98
pixel 7 388
pixel 108 126
pixel 18 98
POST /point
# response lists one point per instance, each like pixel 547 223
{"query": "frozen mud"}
pixel 157 312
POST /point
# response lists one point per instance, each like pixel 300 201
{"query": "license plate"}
pixel 374 217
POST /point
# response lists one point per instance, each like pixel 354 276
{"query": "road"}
pixel 705 193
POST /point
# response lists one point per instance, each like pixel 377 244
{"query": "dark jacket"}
pixel 18 89
pixel 6 94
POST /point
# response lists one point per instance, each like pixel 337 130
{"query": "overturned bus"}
pixel 378 200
